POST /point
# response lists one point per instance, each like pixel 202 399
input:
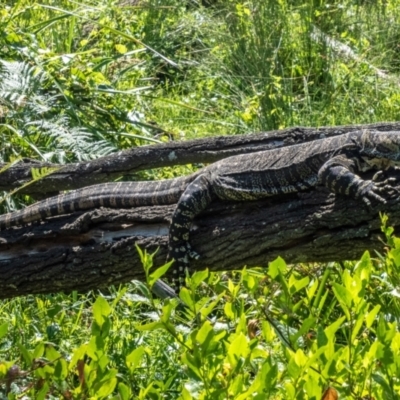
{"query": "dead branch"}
pixel 125 163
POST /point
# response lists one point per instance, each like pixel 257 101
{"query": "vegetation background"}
pixel 81 79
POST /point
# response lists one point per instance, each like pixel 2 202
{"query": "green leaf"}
pixel 61 369
pixel 79 354
pixel 25 354
pixel 371 317
pixel 296 285
pixel 359 321
pixel 344 297
pixel 124 391
pixel 168 307
pixel 203 332
pixel 307 324
pixel 311 291
pixel 158 273
pixel 38 351
pixel 198 277
pixel 101 309
pixel 293 368
pixel 95 347
pixel 186 297
pixel 152 326
pixel 51 353
pixel 193 364
pixel 41 394
pixel 276 267
pixel 332 328
pixel 3 329
pixel 237 349
pixel 134 358
pixel 228 310
pixel 106 388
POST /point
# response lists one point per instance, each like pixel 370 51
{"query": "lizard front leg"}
pixel 197 196
pixel 338 174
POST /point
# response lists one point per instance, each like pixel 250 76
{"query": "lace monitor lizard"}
pixel 333 162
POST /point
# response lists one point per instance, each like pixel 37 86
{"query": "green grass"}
pixel 82 79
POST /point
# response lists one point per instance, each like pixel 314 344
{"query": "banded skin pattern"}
pixel 333 162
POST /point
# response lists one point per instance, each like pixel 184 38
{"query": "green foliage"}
pixel 284 332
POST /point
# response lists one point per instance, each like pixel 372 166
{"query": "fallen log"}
pixel 96 249
pixel 130 162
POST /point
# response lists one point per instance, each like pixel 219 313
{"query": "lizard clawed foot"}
pixel 377 192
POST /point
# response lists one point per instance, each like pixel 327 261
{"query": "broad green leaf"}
pixel 186 297
pixel 79 354
pixel 308 323
pixel 25 354
pixel 332 328
pixel 61 369
pixel 293 368
pixel 359 321
pixel 371 355
pixel 300 358
pixel 236 386
pixel 101 309
pixel 42 393
pixel 186 394
pixel 290 391
pixel 296 285
pixel 198 277
pixel 204 332
pixel 311 291
pixel 168 307
pixel 363 268
pixel 3 329
pixel 38 351
pixel 344 297
pixel 106 387
pixel 51 353
pixel 193 364
pixel 134 358
pixel 158 273
pixel 228 310
pixel 124 391
pixel 276 267
pixel 95 347
pixel 237 349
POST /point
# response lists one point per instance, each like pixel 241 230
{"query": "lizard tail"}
pixel 113 195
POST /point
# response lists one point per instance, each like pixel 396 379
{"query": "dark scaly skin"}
pixel 333 162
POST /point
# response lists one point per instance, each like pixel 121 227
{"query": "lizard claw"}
pixel 377 192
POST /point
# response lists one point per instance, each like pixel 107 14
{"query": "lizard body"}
pixel 333 162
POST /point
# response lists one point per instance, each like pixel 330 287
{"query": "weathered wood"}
pixel 131 161
pixel 97 248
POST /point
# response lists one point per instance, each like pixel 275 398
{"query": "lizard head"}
pixel 381 145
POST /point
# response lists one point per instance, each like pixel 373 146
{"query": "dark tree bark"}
pixel 97 248
pixel 125 163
